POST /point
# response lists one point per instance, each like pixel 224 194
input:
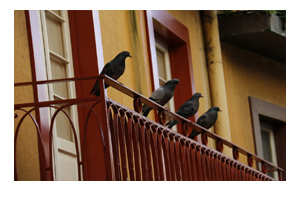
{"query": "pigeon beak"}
pixel 220 110
pixel 129 56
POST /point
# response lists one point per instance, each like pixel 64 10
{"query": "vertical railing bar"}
pixel 248 174
pixel 224 169
pixel 208 168
pixel 128 137
pixel 203 160
pixel 122 144
pixel 193 162
pixel 165 143
pixel 228 167
pixel 172 157
pixel 147 143
pixel 243 178
pixel 216 166
pixel 114 123
pixel 160 158
pixel 177 160
pixel 183 161
pixel 141 132
pixel 188 160
pixel 153 142
pixel 199 169
pixel 232 169
pixel 239 178
pixel 136 149
pixel 212 164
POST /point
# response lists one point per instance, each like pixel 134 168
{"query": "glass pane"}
pixel 265 137
pixel 63 126
pixel 267 149
pixel 161 64
pixel 54 32
pixel 58 71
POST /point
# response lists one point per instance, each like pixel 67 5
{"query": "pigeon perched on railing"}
pixel 113 69
pixel 206 120
pixel 161 95
pixel 188 109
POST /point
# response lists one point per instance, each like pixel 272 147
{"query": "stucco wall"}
pixel 249 74
pixel 27 149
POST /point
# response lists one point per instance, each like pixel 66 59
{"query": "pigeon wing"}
pixel 202 121
pixel 108 70
pixel 187 109
pixel 158 95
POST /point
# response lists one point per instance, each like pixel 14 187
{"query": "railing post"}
pixel 106 131
pixel 279 175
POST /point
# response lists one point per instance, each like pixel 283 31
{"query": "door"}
pixel 58 62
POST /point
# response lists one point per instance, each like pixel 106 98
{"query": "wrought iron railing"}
pixel 137 148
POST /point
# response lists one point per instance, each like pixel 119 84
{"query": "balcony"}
pixel 134 147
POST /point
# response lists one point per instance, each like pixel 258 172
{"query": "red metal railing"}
pixel 137 148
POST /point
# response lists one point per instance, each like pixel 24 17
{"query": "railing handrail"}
pixel 129 92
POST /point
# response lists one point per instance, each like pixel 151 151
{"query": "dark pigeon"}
pixel 206 120
pixel 161 95
pixel 188 109
pixel 113 69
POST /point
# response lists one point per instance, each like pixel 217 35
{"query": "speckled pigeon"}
pixel 113 69
pixel 161 95
pixel 188 109
pixel 206 120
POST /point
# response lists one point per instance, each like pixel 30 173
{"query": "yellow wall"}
pixel 126 30
pixel 249 74
pixel 27 149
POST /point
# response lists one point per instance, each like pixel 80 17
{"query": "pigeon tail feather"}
pixel 194 134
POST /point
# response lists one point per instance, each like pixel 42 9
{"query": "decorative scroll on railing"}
pixel 137 148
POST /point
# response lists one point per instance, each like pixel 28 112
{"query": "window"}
pixel 166 31
pixel 269 129
pixel 268 145
pixel 58 64
pixel 164 70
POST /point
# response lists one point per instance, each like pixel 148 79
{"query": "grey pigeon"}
pixel 206 120
pixel 161 95
pixel 113 69
pixel 188 109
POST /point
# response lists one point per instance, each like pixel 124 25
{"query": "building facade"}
pixel 249 88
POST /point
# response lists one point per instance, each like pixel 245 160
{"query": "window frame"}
pixel 168 28
pixel 263 111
